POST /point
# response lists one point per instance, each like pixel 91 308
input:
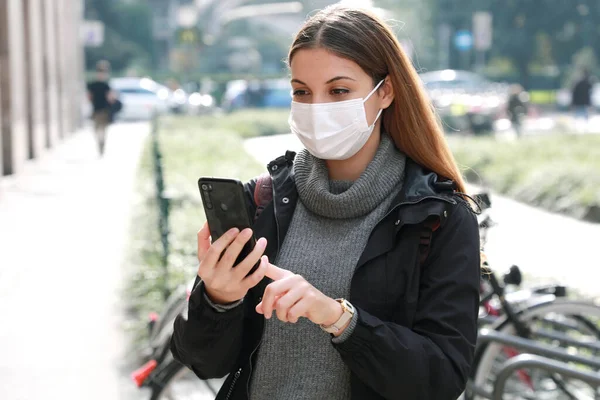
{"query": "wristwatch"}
pixel 344 319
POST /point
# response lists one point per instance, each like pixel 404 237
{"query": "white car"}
pixel 141 98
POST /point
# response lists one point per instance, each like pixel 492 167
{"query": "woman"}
pixel 361 300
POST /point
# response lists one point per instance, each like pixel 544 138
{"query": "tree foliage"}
pixel 546 32
pixel 128 33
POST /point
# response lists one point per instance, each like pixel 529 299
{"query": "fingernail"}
pixel 233 231
pixel 262 242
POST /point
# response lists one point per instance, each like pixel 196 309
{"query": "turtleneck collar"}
pixel 345 199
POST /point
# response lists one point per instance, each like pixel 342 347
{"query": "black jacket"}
pixel 582 93
pixel 417 326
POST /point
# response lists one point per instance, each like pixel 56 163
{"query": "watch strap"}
pixel 348 313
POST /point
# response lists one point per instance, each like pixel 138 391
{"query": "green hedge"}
pixel 250 122
pixel 191 147
pixel 560 173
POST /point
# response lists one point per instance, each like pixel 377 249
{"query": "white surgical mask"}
pixel 333 131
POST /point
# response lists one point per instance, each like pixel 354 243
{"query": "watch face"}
pixel 347 306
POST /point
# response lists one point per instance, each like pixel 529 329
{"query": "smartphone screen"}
pixel 225 208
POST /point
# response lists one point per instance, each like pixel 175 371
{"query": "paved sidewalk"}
pixel 63 225
pixel 547 247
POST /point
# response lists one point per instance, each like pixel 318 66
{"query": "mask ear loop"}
pixel 367 98
pixel 373 91
pixel 376 118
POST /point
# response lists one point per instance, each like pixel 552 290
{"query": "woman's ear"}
pixel 387 93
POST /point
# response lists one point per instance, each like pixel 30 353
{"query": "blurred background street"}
pixel 64 234
pixel 110 110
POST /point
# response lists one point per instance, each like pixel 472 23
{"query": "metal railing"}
pixel 534 347
pixel 538 356
pixel 164 205
pixel 540 363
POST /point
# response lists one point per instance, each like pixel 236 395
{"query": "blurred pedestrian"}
pixel 102 98
pixel 376 290
pixel 518 101
pixel 582 95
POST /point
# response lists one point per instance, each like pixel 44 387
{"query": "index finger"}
pixel 277 273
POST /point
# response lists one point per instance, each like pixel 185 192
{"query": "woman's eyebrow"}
pixel 337 78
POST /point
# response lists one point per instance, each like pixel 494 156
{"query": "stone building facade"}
pixel 41 77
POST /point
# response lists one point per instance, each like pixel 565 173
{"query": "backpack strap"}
pixel 263 193
pixel 429 226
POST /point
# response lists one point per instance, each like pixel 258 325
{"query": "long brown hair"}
pixel 362 37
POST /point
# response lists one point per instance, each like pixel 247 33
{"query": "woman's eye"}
pixel 299 92
pixel 338 92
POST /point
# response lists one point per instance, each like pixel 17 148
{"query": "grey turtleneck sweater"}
pixel 328 233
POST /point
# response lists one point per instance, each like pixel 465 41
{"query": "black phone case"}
pixel 225 208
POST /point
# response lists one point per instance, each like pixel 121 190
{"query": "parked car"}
pixel 466 100
pixel 141 98
pixel 278 93
pixel 200 104
pixel 178 101
pixel 233 97
pixel 270 93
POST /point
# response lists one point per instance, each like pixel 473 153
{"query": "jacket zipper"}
pixel 233 381
pixel 250 376
pixel 276 252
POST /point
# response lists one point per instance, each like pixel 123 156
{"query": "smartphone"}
pixel 225 208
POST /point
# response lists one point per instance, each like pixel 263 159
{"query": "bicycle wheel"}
pixel 176 303
pixel 571 319
pixel 177 382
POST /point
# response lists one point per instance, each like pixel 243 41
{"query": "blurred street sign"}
pixel 92 33
pixel 482 30
pixel 463 40
pixel 189 36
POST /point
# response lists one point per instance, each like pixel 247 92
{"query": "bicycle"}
pixel 541 315
pixel 547 319
pixel 567 324
pixel 165 377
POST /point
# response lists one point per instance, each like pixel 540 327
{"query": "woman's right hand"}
pixel 224 283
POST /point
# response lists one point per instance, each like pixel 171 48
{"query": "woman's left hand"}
pixel 292 297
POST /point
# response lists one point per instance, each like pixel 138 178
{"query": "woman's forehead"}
pixel 322 65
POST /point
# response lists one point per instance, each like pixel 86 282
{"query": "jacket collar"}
pixel 419 183
pixel 423 195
